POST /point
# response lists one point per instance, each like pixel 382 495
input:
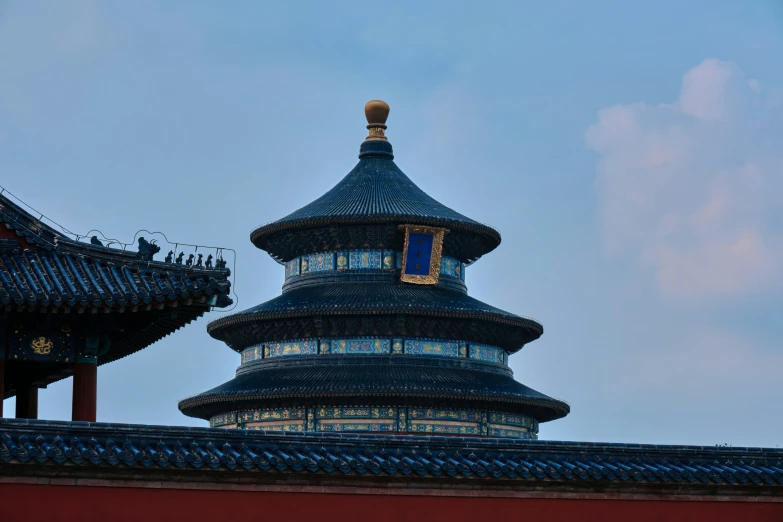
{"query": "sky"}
pixel 628 152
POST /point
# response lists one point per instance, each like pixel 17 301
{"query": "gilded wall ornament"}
pixel 41 345
pixel 422 253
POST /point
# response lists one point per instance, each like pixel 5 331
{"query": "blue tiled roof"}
pixel 63 272
pixel 81 275
pixel 377 191
pixel 42 268
pixel 354 378
pixel 377 298
pixel 53 447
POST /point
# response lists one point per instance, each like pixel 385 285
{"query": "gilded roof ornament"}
pixel 376 112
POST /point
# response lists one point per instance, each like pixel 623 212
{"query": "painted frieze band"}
pixel 376 346
pixel 382 419
pixel 361 260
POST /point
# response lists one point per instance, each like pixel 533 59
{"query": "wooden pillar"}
pixel 27 402
pixel 85 388
pixel 85 381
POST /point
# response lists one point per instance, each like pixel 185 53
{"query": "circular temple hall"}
pixel 375 330
pixel 373 385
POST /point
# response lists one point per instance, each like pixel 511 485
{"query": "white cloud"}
pixel 691 189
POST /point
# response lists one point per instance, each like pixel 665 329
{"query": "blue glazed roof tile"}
pixel 392 376
pixel 377 191
pixel 61 272
pixel 66 277
pixel 381 298
pixel 45 445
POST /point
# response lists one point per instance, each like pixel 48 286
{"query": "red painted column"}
pixel 4 319
pixel 27 402
pixel 85 391
pixel 2 383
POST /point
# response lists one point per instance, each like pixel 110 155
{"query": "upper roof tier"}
pixel 364 209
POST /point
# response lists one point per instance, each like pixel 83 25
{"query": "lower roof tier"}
pixel 382 308
pixel 349 380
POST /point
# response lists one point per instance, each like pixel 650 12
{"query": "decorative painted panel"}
pixel 512 425
pixel 360 418
pixel 342 260
pixel 321 262
pixel 389 259
pixel 402 419
pixel 417 414
pixel 292 268
pixel 381 418
pixel 286 349
pixel 430 420
pixel 357 412
pixel 451 267
pixel 285 419
pixel 432 347
pixel 364 259
pixel 375 346
pixel 379 425
pixel 287 426
pixel 482 352
pixel 510 432
pixel 252 353
pixel 360 346
pixel 451 428
pixel 224 420
pixel 41 347
pixel 361 260
pixel 512 419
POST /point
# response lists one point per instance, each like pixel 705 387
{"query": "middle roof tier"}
pixel 375 309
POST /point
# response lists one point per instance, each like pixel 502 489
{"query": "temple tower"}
pixel 375 330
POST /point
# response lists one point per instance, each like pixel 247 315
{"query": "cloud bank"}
pixel 691 190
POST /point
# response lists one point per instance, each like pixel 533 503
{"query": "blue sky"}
pixel 628 152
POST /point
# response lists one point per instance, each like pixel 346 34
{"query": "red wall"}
pixel 24 502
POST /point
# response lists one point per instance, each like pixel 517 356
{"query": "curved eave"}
pixel 376 191
pixel 260 234
pixel 374 299
pixel 357 378
pixel 25 225
pixel 204 407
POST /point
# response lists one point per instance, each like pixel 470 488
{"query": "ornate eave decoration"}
pixel 421 254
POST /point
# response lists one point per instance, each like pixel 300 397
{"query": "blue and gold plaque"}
pixel 422 254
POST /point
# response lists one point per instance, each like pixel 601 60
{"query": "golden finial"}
pixel 376 112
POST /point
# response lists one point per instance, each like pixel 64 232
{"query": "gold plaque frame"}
pixel 437 253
